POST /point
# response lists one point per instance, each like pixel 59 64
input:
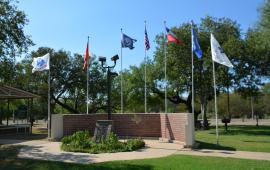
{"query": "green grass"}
pixel 244 138
pixel 9 161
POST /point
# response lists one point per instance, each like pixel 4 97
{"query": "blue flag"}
pixel 127 42
pixel 195 45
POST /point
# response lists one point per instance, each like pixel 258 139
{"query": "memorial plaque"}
pixel 102 130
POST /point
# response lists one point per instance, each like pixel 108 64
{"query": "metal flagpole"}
pixel 145 88
pixel 192 72
pixel 87 80
pixel 49 102
pixel 214 77
pixel 165 69
pixel 121 75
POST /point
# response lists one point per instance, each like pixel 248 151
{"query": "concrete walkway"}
pixel 226 153
pixel 45 150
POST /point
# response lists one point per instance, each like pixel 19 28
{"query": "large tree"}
pixel 12 37
pixel 179 62
pixel 68 81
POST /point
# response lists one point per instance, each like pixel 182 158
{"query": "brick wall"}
pixel 140 125
pixel 133 125
pixel 175 126
pixel 77 122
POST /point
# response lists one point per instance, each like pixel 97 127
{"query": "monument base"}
pixel 102 130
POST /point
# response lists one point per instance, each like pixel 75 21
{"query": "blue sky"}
pixel 65 24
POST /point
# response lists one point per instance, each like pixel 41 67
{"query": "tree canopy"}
pixel 12 37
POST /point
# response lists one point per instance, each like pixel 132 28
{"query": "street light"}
pixel 110 75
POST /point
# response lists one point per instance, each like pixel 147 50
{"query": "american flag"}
pixel 146 40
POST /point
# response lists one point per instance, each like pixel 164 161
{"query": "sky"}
pixel 65 24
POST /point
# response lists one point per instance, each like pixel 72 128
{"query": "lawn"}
pixel 245 138
pixel 8 161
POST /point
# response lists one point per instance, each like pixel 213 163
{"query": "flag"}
pixel 195 44
pixel 127 42
pixel 218 54
pixel 86 56
pixel 146 40
pixel 41 63
pixel 171 37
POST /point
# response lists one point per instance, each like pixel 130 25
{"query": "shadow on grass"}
pixel 244 130
pixel 204 145
pixel 24 136
pixel 8 151
pixel 9 161
pixel 47 165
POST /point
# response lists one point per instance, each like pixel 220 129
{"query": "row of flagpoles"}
pixel 218 55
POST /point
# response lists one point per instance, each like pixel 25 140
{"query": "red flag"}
pixel 171 37
pixel 86 56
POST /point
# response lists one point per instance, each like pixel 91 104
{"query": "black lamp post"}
pixel 110 75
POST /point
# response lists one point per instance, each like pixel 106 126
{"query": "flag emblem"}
pixel 146 40
pixel 171 37
pixel 218 54
pixel 195 44
pixel 41 63
pixel 127 42
pixel 86 56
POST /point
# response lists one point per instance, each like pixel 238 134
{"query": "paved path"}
pixel 226 153
pixel 45 150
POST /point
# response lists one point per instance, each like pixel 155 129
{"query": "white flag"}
pixel 218 54
pixel 41 63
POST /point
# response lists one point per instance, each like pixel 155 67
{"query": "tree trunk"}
pixel 228 102
pixel 257 119
pixel 203 112
pixel 65 106
pixel 8 113
pixel 1 118
pixel 252 109
pixel 76 102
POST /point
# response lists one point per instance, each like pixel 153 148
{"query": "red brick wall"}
pixel 139 125
pixel 77 122
pixel 175 126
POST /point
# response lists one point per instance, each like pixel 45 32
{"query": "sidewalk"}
pixel 45 150
pixel 226 153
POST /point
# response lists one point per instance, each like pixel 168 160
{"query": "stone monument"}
pixel 102 130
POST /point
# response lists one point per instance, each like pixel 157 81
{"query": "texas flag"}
pixel 171 37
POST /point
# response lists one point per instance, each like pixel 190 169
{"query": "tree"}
pixel 68 82
pixel 179 62
pixel 13 39
pixel 264 22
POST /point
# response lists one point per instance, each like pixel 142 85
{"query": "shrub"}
pixel 134 144
pixel 81 141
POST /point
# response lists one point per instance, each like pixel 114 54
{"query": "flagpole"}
pixel 121 76
pixel 192 72
pixel 165 69
pixel 87 81
pixel 145 88
pixel 49 102
pixel 214 77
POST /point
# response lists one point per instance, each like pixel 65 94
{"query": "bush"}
pixel 81 141
pixel 77 142
pixel 134 144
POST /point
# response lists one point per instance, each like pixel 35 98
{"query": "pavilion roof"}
pixel 8 92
